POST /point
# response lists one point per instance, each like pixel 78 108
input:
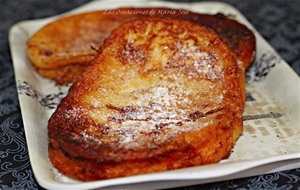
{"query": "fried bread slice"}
pixel 162 94
pixel 63 49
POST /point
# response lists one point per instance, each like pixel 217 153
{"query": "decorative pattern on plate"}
pixel 49 101
pixel 262 116
pixel 261 67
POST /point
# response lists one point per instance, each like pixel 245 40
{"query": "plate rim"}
pixel 97 184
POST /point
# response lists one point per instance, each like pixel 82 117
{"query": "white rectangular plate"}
pixel 271 128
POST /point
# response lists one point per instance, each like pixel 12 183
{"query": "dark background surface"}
pixel 278 21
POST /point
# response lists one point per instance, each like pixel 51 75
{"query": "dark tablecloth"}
pixel 278 21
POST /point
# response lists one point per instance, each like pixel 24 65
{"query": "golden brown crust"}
pixel 163 94
pixel 72 40
pixel 64 74
pixel 212 147
pixel 238 37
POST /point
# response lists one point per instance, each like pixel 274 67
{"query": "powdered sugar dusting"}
pixel 160 113
pixel 89 137
pixel 203 63
pixel 164 88
pixel 133 54
pixel 73 113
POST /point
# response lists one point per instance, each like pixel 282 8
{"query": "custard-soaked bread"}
pixel 163 94
pixel 63 49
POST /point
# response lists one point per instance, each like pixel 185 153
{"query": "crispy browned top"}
pixel 154 80
pixel 72 40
